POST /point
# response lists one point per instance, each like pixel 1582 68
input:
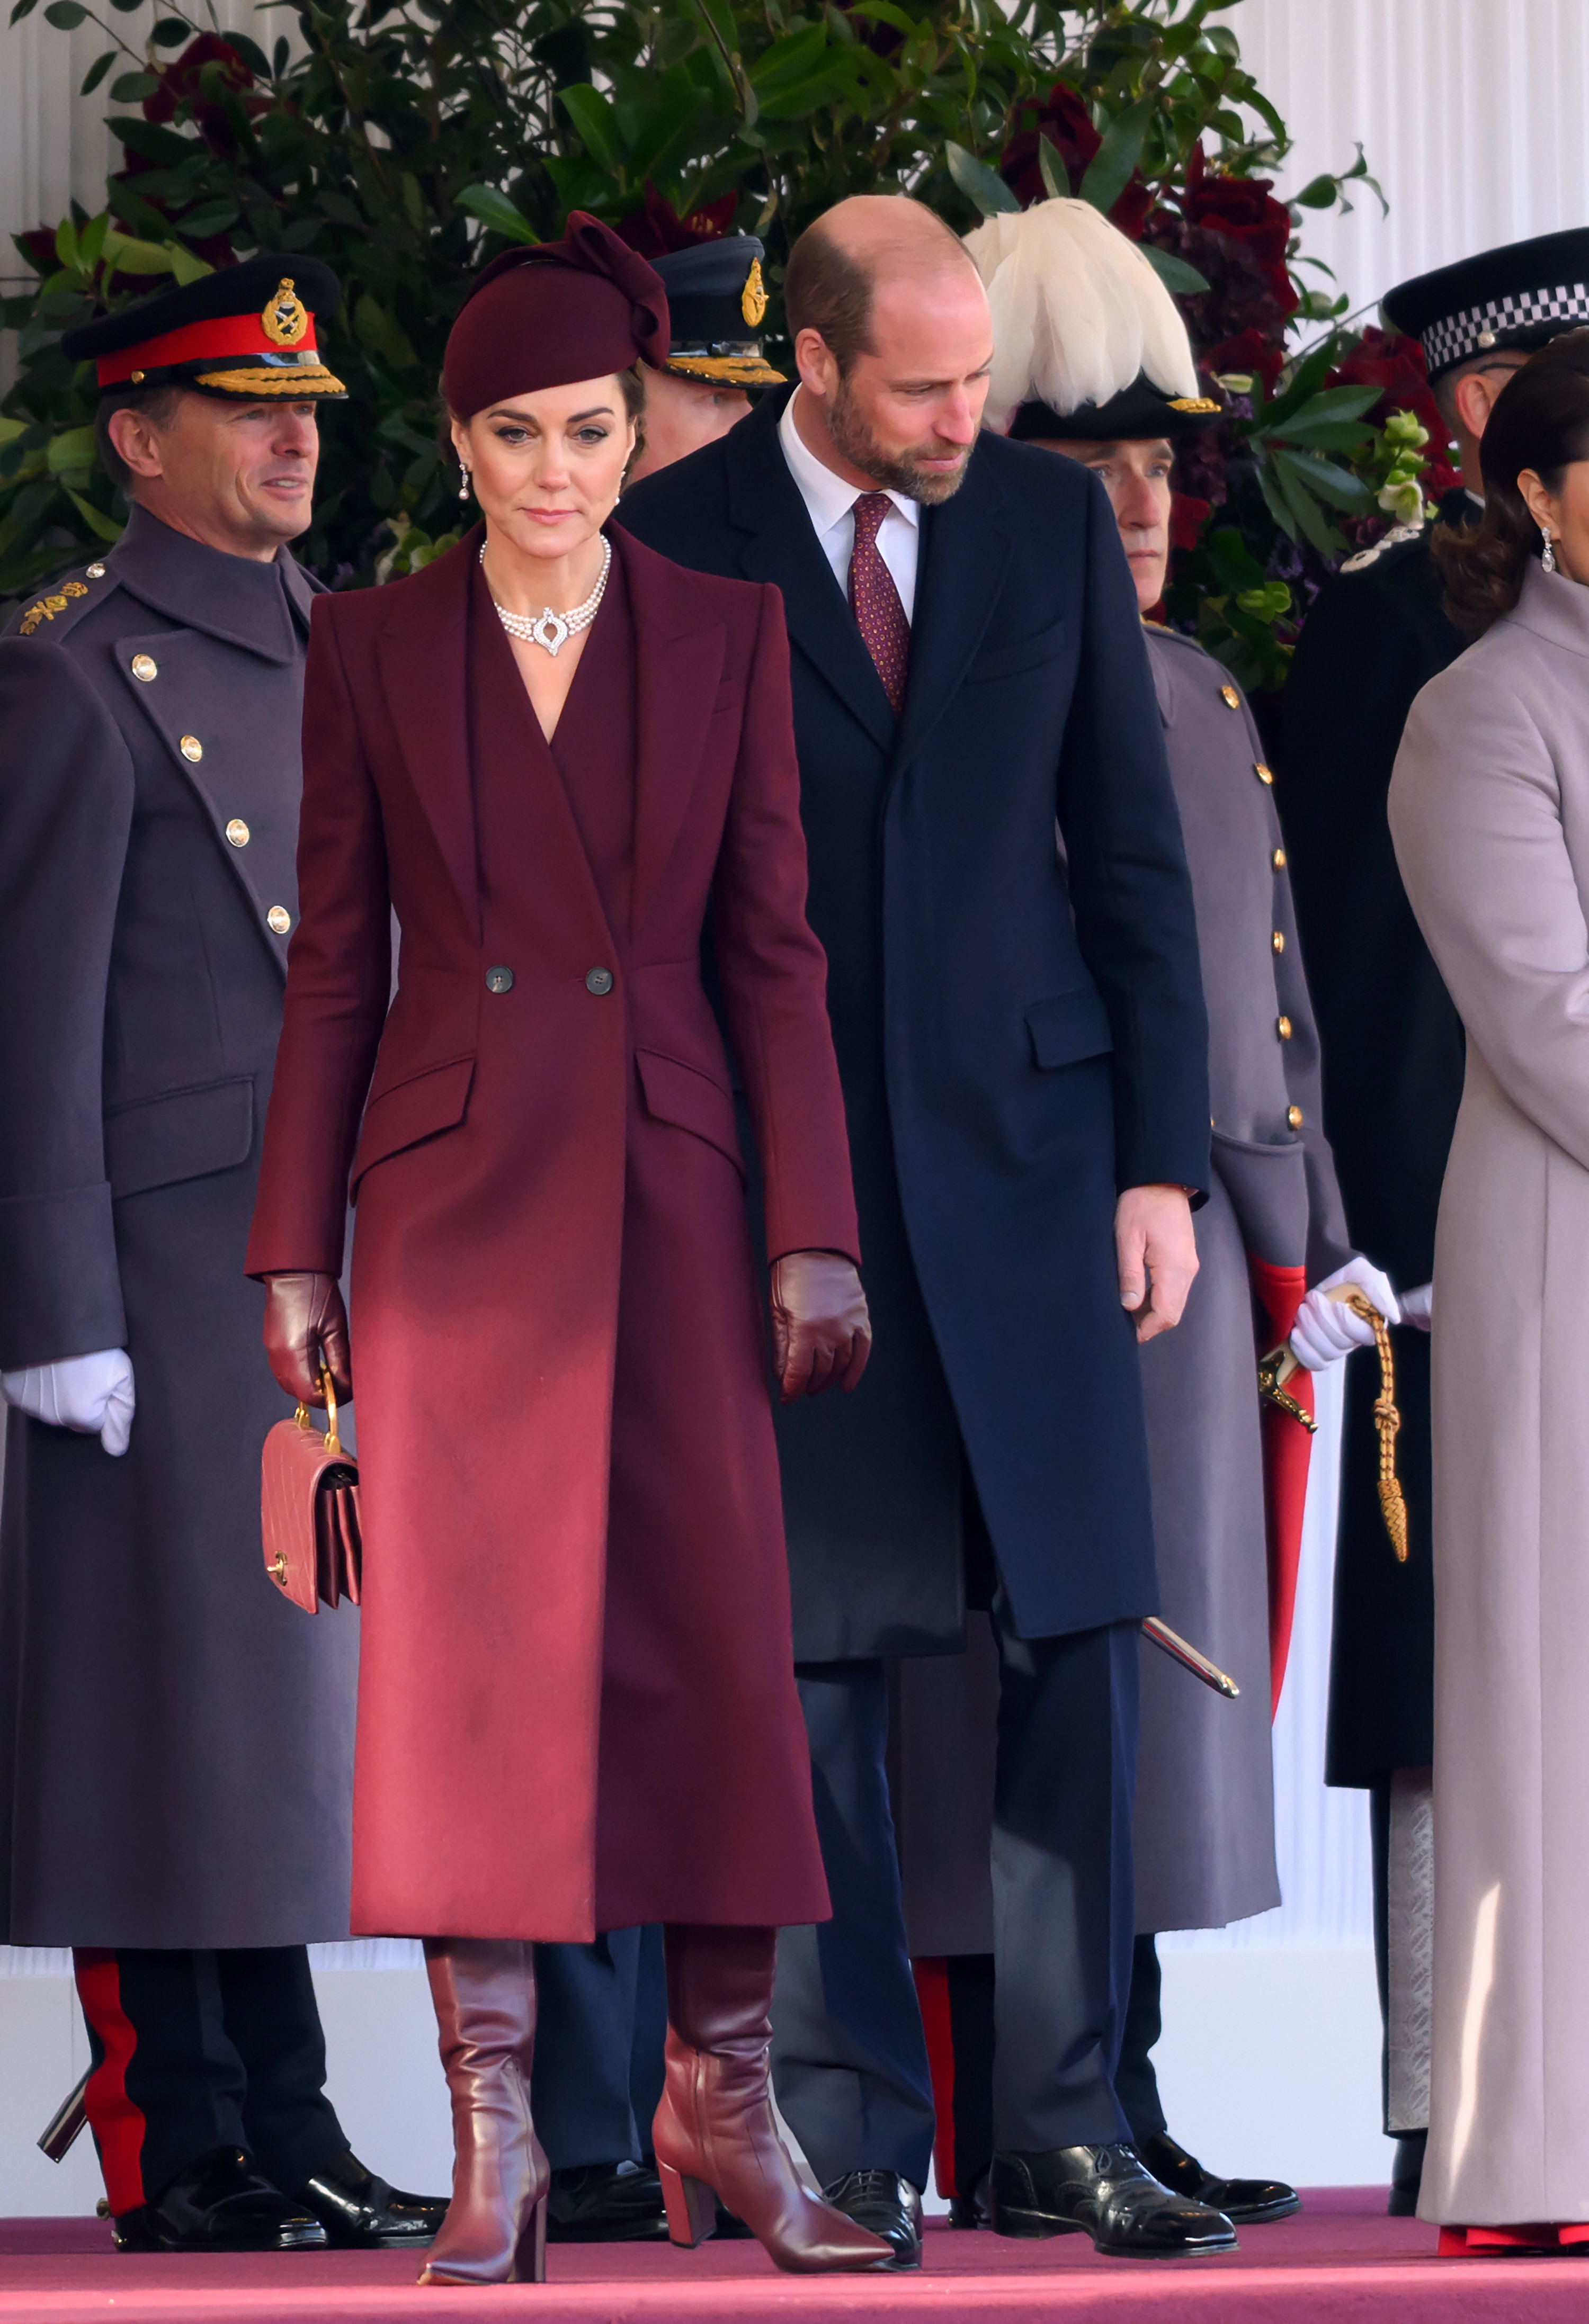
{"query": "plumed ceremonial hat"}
pixel 1518 296
pixel 556 312
pixel 243 332
pixel 1088 342
pixel 716 301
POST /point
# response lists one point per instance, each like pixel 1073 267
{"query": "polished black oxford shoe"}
pixel 605 2203
pixel 1106 2192
pixel 1245 2202
pixel 360 2213
pixel 886 2203
pixel 220 2203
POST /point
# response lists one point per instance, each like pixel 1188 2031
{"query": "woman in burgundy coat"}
pixel 576 1703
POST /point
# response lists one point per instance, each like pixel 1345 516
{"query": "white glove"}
pixel 1418 1307
pixel 1326 1330
pixel 92 1394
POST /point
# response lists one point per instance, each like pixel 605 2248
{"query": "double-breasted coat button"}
pixel 1282 1026
pixel 278 919
pixel 1294 1116
pixel 1276 942
pixel 147 667
pixel 598 981
pixel 1263 773
pixel 1278 859
pixel 499 980
pixel 191 748
pixel 238 832
pixel 1230 697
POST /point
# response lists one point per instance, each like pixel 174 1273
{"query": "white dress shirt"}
pixel 830 503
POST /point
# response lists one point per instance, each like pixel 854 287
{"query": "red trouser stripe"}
pixel 932 1991
pixel 117 2123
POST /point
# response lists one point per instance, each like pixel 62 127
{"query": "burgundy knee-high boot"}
pixel 494 2231
pixel 715 2133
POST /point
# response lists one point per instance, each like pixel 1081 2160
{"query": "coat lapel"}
pixel 678 644
pixel 965 554
pixel 781 546
pixel 423 656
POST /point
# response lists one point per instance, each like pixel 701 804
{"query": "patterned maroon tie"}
pixel 875 602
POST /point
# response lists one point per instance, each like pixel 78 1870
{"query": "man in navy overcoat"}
pixel 1023 1050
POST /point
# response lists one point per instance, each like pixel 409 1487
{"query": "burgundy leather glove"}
pixel 306 1325
pixel 821 1332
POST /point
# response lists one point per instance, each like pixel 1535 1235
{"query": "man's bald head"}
pixel 838 265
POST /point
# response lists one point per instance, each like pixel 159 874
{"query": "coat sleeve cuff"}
pixel 61 1291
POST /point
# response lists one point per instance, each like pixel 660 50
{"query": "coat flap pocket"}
pixel 1268 1188
pixel 1017 654
pixel 186 1134
pixel 411 1109
pixel 689 1099
pixel 1070 1027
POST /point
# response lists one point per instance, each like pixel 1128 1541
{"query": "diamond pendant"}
pixel 549 629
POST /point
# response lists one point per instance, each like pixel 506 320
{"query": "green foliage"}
pixel 405 141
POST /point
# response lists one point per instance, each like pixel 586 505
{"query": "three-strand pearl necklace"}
pixel 547 629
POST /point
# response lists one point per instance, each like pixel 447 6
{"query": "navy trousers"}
pixel 192 2051
pixel 849 2057
pixel 601 2021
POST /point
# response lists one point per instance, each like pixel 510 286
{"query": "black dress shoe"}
pixel 1406 2174
pixel 605 2203
pixel 886 2203
pixel 220 2204
pixel 360 2213
pixel 1108 2193
pixel 971 2210
pixel 1245 2202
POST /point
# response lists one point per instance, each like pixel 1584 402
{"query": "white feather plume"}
pixel 1079 312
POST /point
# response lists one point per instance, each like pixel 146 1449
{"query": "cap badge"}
pixel 1193 404
pixel 753 298
pixel 285 317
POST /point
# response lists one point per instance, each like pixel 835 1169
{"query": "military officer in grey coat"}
pixel 1118 400
pixel 176 1739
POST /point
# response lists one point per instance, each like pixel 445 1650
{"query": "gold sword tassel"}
pixel 1276 1368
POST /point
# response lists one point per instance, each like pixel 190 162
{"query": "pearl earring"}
pixel 463 483
pixel 1547 554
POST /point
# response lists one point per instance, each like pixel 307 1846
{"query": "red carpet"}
pixel 1341 2260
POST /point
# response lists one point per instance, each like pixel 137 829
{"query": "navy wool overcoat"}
pixel 1012 1055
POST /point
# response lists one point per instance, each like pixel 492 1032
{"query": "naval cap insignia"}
pixel 285 317
pixel 753 298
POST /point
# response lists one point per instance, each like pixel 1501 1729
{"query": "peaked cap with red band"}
pixel 243 332
pixel 559 311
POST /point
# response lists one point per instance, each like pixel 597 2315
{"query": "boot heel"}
pixel 691 2207
pixel 529 2254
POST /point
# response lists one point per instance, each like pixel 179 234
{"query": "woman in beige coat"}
pixel 1489 814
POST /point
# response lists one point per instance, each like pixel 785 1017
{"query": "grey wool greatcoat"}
pixel 1490 815
pixel 1204 1840
pixel 175 1738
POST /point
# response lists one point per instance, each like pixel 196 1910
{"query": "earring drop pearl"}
pixel 464 484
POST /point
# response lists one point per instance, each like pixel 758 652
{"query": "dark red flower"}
pixel 1248 351
pixel 1063 118
pixel 656 228
pixel 1243 211
pixel 1187 518
pixel 180 85
pixel 39 243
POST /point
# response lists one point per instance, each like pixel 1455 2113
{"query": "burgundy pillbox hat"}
pixel 556 312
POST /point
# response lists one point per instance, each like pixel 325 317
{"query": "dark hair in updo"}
pixel 1540 421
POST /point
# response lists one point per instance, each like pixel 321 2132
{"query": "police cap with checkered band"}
pixel 244 332
pixel 1518 296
